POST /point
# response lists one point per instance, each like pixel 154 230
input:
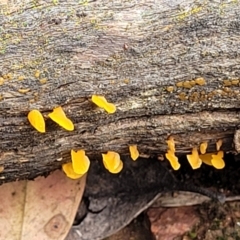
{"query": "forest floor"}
pixel 190 216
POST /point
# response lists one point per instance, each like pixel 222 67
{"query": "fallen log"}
pixel 171 68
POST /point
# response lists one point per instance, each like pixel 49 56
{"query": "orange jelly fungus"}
pixel 134 152
pixel 80 162
pixel 60 118
pixel 194 159
pixel 173 160
pixel 217 160
pixel 203 147
pixel 206 158
pixel 171 144
pixel 219 144
pixel 101 102
pixel 112 162
pixel 37 121
pixel 68 170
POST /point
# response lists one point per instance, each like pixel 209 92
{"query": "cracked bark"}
pixel 133 53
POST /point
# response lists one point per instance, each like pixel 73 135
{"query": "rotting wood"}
pixel 170 67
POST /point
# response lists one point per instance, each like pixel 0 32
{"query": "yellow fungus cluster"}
pixel 79 165
pixel 134 152
pixel 112 162
pixel 214 159
pixel 195 160
pixel 37 121
pixel 170 155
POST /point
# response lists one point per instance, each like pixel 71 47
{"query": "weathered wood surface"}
pixel 130 52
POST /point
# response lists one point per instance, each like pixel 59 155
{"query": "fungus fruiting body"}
pixel 68 170
pixel 203 147
pixel 80 162
pixel 212 159
pixel 194 159
pixel 206 158
pixel 60 118
pixel 218 144
pixel 172 159
pixel 171 144
pixel 101 102
pixel 217 160
pixel 134 152
pixel 112 162
pixel 36 120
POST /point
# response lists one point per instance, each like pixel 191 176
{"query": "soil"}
pixel 202 220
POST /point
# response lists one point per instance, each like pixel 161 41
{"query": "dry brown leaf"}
pixel 41 209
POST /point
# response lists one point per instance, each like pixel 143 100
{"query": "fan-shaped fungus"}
pixel 134 152
pixel 80 162
pixel 37 121
pixel 60 118
pixel 101 102
pixel 68 170
pixel 194 159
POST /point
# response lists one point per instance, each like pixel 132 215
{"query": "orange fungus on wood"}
pixel 217 160
pixel 37 121
pixel 171 144
pixel 80 162
pixel 173 160
pixel 68 170
pixel 112 162
pixel 203 147
pixel 219 144
pixel 60 118
pixel 134 152
pixel 194 159
pixel 101 102
pixel 206 158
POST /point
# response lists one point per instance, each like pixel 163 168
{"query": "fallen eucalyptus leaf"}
pixel 41 209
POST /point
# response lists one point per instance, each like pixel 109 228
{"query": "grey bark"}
pixel 133 53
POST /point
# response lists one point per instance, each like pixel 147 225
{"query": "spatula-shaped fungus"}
pixel 101 102
pixel 171 144
pixel 112 162
pixel 203 147
pixel 60 118
pixel 172 159
pixel 218 144
pixel 134 152
pixel 37 121
pixel 194 159
pixel 217 160
pixel 68 170
pixel 80 162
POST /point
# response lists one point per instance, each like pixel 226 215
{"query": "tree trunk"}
pixel 170 67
